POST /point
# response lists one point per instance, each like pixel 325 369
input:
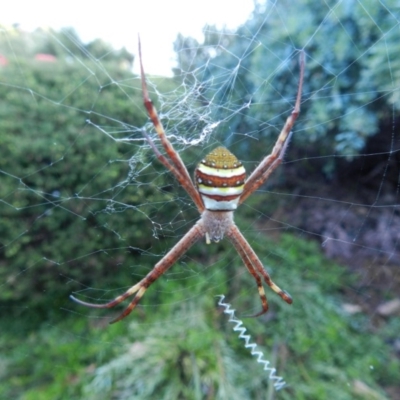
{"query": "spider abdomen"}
pixel 220 180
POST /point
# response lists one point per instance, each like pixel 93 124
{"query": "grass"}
pixel 180 345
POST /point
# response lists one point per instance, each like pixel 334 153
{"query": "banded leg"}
pixel 177 167
pixel 261 292
pixel 242 247
pixel 272 161
pixel 191 237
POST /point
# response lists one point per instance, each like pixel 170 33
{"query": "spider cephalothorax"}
pixel 220 186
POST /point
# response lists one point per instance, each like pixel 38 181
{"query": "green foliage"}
pixel 63 181
pixel 351 80
pixel 62 193
pixel 182 346
pixel 52 361
pixel 192 351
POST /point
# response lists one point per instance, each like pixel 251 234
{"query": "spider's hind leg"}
pixel 255 267
pixel 195 233
pixel 261 292
pixel 282 293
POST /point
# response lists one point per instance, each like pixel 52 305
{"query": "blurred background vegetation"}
pixel 76 211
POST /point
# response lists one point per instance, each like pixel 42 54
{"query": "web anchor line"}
pixel 279 382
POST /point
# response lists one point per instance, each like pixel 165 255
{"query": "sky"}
pixel 118 22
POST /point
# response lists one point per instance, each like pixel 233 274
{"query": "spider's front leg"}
pixel 272 161
pixel 162 266
pixel 172 161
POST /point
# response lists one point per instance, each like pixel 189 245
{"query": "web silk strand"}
pixel 278 381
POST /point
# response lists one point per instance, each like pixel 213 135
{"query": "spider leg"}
pixel 272 161
pixel 176 166
pixel 194 234
pixel 261 292
pixel 243 247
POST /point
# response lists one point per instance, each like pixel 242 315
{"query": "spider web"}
pixel 120 211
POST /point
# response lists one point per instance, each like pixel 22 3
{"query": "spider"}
pixel 219 187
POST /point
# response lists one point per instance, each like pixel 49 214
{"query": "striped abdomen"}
pixel 220 180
